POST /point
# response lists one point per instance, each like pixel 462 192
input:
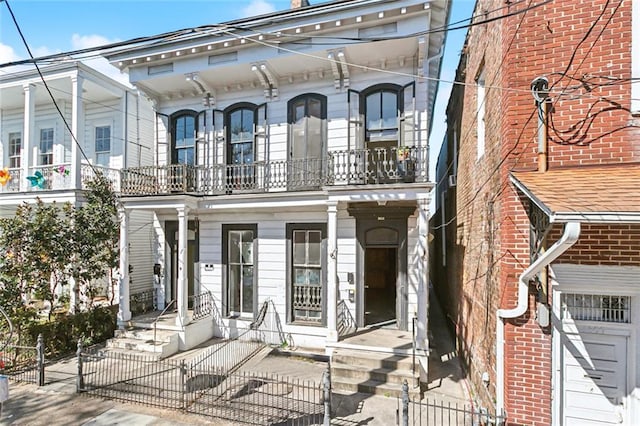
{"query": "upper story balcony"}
pixel 345 167
pixel 56 178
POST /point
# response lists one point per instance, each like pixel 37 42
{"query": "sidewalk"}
pixel 58 404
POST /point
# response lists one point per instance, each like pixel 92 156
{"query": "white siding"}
pixel 142 246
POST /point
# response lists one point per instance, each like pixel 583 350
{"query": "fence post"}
pixel 40 356
pixel 405 403
pixel 183 381
pixel 80 377
pixel 326 388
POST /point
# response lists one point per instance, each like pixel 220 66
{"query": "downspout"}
pixel 569 237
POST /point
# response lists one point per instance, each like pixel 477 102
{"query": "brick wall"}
pixel 590 125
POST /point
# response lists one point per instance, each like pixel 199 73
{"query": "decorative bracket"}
pixel 339 68
pixel 267 80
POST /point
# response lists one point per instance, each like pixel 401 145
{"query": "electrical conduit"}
pixel 569 237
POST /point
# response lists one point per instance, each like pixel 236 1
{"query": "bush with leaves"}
pixel 45 246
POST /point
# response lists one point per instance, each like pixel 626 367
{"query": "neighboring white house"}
pixel 291 165
pixel 112 124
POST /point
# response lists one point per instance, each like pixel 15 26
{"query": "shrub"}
pixel 62 333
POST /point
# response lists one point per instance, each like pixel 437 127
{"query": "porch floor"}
pixel 378 339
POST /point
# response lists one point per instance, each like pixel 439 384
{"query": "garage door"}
pixel 595 379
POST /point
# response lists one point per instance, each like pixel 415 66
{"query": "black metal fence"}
pixel 438 413
pixel 24 363
pixel 201 388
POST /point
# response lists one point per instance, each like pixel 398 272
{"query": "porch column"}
pixel 124 312
pixel 77 128
pixel 423 274
pixel 332 271
pixel 28 133
pixel 183 217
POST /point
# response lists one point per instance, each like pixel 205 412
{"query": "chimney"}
pixel 297 4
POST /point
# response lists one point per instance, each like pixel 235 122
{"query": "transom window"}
pixel 15 148
pixel 103 145
pixel 184 138
pixel 46 147
pixel 595 307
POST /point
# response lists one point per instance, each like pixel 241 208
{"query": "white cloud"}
pixel 257 7
pixel 7 54
pixel 87 41
pixel 100 64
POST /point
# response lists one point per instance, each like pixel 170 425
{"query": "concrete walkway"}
pixel 58 404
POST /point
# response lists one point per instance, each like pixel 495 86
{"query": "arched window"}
pixel 183 137
pixel 241 120
pixel 382 109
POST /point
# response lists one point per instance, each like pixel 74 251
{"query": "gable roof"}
pixel 603 193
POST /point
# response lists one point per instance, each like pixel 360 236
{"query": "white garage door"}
pixel 595 379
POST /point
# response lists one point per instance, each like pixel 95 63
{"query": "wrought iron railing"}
pixel 202 305
pixel 88 173
pixel 346 323
pixel 142 301
pixel 347 167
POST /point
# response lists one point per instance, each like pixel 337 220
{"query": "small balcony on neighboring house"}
pixel 363 167
pixel 52 149
pixel 57 178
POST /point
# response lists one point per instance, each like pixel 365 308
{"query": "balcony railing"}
pixel 347 167
pixel 57 177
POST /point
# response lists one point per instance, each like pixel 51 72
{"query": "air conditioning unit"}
pixel 453 180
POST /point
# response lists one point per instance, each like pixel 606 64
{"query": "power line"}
pixel 64 120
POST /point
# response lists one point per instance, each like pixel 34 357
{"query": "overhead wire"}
pixel 46 85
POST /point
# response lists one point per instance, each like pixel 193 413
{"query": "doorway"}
pixel 171 232
pixel 380 272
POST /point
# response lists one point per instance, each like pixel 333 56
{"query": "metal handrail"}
pixel 155 322
pixel 416 383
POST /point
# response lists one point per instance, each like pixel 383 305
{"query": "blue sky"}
pixel 52 26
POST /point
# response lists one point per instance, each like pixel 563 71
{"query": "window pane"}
pixel 298 112
pixel 315 108
pixel 247 289
pixel 299 247
pixel 234 288
pixel 247 252
pixel 234 247
pixel 389 110
pixel 242 153
pixel 314 137
pixel 184 134
pixel 300 276
pixel 185 156
pixel 313 276
pixel 373 111
pixel 241 125
pixel 315 246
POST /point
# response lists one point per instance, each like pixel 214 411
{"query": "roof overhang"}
pixel 584 194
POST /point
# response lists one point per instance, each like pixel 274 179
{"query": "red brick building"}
pixel 536 256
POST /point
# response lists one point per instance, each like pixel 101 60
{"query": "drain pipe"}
pixel 569 237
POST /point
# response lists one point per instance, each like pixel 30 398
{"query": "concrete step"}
pixel 372 360
pixel 145 334
pixel 132 353
pixel 350 386
pixel 383 375
pixel 139 340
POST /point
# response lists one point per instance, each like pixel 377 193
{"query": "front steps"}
pixel 140 341
pixel 379 373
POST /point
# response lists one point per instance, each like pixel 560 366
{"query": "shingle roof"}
pixel 607 193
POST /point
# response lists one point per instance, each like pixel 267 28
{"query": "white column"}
pixel 124 312
pixel 332 271
pixel 28 133
pixel 77 128
pixel 183 217
pixel 423 273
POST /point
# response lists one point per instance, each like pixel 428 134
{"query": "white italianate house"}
pixel 111 122
pixel 291 167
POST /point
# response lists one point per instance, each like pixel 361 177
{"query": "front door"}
pixel 380 278
pixel 594 370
